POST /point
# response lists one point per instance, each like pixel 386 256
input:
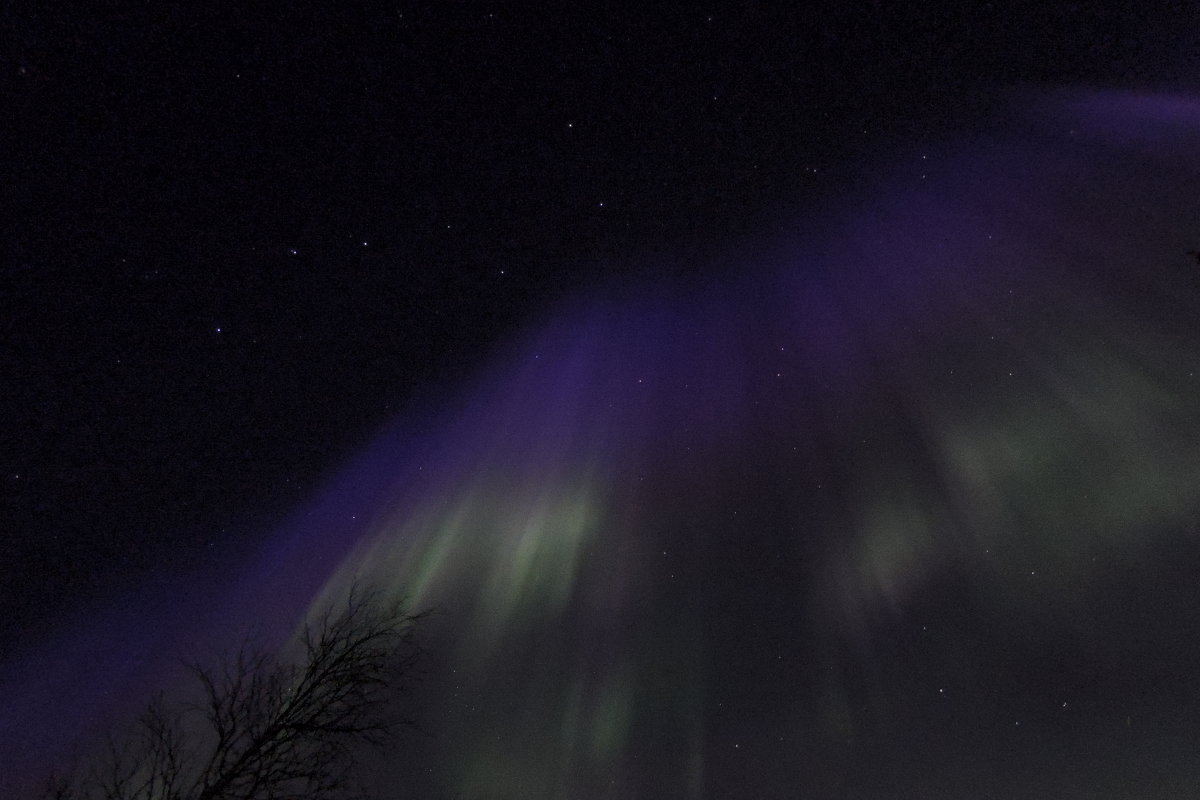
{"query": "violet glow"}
pixel 670 536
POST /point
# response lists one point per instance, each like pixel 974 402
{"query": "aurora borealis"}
pixel 766 401
pixel 873 518
pixel 903 505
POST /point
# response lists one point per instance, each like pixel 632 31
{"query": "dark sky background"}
pixel 237 245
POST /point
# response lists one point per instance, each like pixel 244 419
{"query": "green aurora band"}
pixel 678 542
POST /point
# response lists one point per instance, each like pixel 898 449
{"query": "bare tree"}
pixel 267 728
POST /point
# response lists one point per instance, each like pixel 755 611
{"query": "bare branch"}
pixel 268 729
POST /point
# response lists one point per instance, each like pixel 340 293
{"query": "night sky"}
pixel 770 403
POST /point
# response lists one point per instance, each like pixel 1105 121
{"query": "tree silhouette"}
pixel 268 728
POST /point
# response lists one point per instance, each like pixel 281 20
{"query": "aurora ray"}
pixel 692 541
